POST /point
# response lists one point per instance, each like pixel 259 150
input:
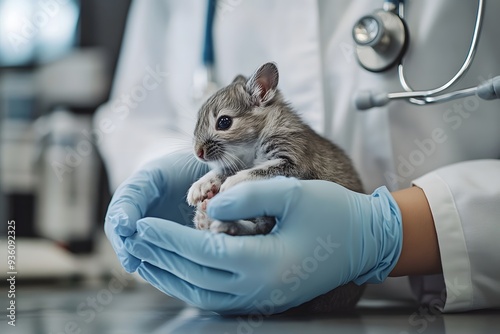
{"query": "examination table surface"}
pixel 143 309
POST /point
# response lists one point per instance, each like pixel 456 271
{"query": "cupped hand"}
pixel 325 236
pixel 157 190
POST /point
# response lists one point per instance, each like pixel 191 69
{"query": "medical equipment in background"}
pixel 67 186
pixel 381 41
pixel 204 82
pixel 54 187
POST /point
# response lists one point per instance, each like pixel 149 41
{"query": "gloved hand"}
pixel 157 190
pixel 325 237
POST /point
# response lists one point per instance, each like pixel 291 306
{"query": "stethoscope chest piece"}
pixel 381 40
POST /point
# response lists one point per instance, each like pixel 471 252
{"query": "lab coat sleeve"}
pixel 465 202
pixel 137 124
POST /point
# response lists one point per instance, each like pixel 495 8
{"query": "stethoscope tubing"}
pixel 427 94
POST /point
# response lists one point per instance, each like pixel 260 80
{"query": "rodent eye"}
pixel 224 123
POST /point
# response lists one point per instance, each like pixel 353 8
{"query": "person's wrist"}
pixel 383 237
pixel 420 254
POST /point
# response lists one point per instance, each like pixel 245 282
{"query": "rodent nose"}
pixel 200 153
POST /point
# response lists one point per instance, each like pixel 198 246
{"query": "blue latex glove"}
pixel 325 237
pixel 158 190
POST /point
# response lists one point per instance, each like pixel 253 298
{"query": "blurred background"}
pixel 57 59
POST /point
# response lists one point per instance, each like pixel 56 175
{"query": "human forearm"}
pixel 420 254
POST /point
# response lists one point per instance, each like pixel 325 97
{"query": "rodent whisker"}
pixel 235 162
pixel 226 164
pixel 187 163
pixel 177 143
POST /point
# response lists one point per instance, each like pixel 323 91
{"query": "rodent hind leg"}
pixel 238 227
pixel 264 225
pixel 261 225
pixel 201 220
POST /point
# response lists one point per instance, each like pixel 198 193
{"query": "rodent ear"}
pixel 262 84
pixel 240 79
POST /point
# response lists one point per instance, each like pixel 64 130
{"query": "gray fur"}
pixel 266 139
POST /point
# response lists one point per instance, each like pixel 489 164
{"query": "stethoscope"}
pixel 381 40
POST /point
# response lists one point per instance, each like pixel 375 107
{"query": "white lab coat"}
pixel 440 148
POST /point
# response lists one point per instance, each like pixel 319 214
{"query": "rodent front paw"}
pixel 205 188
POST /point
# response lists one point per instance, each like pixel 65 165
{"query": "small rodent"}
pixel 247 131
